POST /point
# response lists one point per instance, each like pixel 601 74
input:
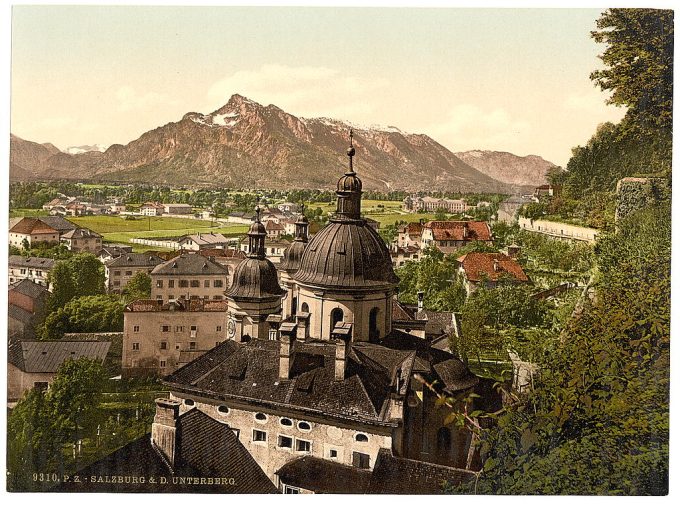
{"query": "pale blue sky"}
pixel 503 79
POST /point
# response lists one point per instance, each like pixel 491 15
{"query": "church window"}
pixel 302 445
pixel 259 436
pixel 373 331
pixel 361 438
pixel 261 417
pixel 361 460
pixel 285 442
pixel 305 307
pixel 304 426
pixel 223 409
pixel 286 422
pixel 189 402
pixel 336 317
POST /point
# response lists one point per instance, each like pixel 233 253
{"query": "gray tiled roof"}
pixel 29 288
pixel 31 262
pixel 81 233
pixel 43 356
pixel 19 314
pixel 251 370
pixel 323 476
pixel 59 223
pixel 397 475
pixel 190 264
pixel 134 259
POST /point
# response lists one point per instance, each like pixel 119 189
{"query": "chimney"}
pixel 286 349
pixel 340 359
pixel 496 265
pixel 465 230
pixel 421 300
pixel 164 429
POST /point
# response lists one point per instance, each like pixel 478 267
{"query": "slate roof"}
pixel 44 356
pixel 134 259
pixel 193 305
pixel 29 288
pixel 323 476
pixel 397 475
pixel 478 265
pixel 30 226
pixel 79 233
pixel 31 262
pixel 59 223
pixel 21 315
pixel 206 450
pixel 251 371
pixel 454 230
pixel 189 264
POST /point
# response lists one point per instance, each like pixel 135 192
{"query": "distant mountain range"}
pixel 246 145
pixel 509 168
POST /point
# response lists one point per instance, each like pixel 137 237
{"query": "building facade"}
pixel 121 269
pixel 188 276
pixel 30 268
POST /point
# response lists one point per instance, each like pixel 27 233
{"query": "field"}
pixel 119 230
pixel 385 212
pixel 28 212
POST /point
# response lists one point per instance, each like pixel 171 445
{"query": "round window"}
pixel 305 426
pixel 361 438
pixel 188 402
pixel 261 417
pixel 223 409
pixel 286 422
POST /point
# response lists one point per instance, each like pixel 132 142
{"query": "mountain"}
pixel 246 145
pixel 85 148
pixel 508 168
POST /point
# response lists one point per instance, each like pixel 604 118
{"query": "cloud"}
pixel 130 100
pixel 306 91
pixel 467 126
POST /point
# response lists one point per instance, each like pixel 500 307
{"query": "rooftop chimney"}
pixel 340 359
pixel 286 349
pixel 496 265
pixel 164 429
pixel 465 230
pixel 421 300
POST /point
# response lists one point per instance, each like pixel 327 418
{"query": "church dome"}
pixel 347 254
pixel 255 278
pixel 292 256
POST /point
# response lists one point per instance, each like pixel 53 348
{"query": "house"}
pixel 76 209
pixel 121 269
pixel 82 240
pixel 449 236
pixel 288 207
pixel 229 258
pixel 400 255
pixel 152 209
pixel 547 190
pixel 113 250
pixel 201 241
pixel 274 229
pixel 188 276
pixel 410 235
pixel 177 209
pixel 34 364
pixel 490 268
pixel 59 223
pixel 430 204
pixel 26 307
pixel 159 337
pixel 29 231
pixel 274 250
pixel 30 268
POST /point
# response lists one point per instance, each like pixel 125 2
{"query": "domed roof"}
pixel 255 278
pixel 257 228
pixel 292 256
pixel 347 254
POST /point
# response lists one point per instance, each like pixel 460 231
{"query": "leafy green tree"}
pixel 63 287
pixel 440 214
pixel 88 274
pixel 138 287
pixel 99 313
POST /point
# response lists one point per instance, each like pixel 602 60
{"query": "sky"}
pixel 513 80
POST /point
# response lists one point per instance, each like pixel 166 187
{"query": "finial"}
pixel 302 208
pixel 350 152
pixel 351 135
pixel 257 211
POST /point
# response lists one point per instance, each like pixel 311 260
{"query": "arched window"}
pixel 336 317
pixel 305 307
pixel 443 441
pixel 373 331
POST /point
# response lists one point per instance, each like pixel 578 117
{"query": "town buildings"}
pixel 121 269
pixel 449 236
pixel 177 209
pixel 188 276
pixel 430 204
pixel 29 231
pixel 30 268
pixel 82 240
pixel 26 308
pixel 201 241
pixel 490 269
pixel 158 337
pixel 152 209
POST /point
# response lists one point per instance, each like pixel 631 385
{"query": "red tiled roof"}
pixel 414 228
pixel 454 230
pixel 478 265
pixel 28 226
pixel 273 226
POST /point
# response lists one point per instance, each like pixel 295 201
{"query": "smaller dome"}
pixel 255 278
pixel 349 183
pixel 292 256
pixel 257 228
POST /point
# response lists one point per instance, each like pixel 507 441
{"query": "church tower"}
pixel 290 264
pixel 345 274
pixel 255 292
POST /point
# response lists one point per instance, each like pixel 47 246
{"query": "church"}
pixel 324 384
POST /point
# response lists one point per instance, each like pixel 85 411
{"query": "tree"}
pixel 138 287
pixel 639 63
pixel 88 274
pixel 63 287
pixel 440 214
pixel 99 313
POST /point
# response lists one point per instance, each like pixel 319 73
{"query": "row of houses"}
pixel 429 204
pixel 76 207
pixel 25 232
